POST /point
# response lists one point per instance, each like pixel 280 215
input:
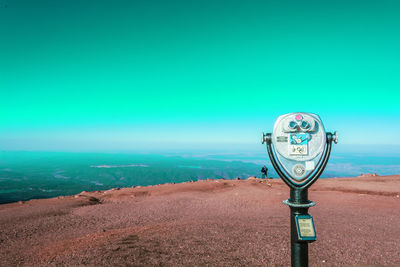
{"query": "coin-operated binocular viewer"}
pixel 299 150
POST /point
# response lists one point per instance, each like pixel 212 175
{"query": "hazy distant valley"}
pixel 27 175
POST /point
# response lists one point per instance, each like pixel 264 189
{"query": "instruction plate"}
pixel 298 144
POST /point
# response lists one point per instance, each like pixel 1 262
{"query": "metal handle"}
pixel 335 137
pixel 266 138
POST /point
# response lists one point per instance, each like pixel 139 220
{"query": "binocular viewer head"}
pixel 299 137
pixel 299 147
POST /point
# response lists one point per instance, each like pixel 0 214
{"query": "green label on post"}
pixel 305 228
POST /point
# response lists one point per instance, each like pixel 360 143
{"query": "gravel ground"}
pixel 205 223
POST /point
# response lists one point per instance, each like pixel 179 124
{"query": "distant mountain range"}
pixel 27 175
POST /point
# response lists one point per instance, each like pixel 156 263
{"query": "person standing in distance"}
pixel 264 172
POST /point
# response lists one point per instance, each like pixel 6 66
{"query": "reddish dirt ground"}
pixel 213 222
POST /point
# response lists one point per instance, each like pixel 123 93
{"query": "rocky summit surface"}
pixel 205 223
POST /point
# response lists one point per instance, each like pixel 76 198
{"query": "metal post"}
pixel 299 250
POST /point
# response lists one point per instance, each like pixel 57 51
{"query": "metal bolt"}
pixel 335 137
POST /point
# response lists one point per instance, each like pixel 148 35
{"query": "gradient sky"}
pixel 82 75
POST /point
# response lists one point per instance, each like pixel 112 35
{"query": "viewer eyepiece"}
pixel 293 125
pixel 305 125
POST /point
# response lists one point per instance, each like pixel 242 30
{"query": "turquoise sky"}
pixel 82 75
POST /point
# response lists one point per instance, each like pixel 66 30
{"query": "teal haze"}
pixel 147 75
